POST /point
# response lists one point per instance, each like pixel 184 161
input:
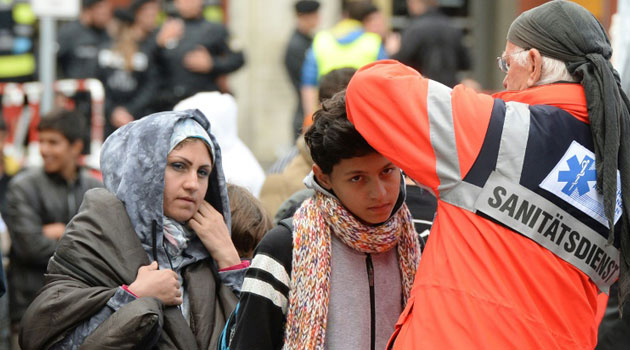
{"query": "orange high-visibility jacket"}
pixel 517 256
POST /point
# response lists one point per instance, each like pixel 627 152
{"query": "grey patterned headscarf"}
pixel 568 32
pixel 133 161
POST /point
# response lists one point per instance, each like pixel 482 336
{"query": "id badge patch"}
pixel 574 179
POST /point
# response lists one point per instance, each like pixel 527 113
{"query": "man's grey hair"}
pixel 553 70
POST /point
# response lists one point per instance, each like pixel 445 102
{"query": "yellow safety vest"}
pixel 331 55
pixel 21 64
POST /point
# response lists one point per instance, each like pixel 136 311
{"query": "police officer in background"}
pixel 433 45
pixel 194 54
pixel 347 44
pixel 307 13
pixel 79 40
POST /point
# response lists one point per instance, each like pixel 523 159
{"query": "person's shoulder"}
pixel 71 27
pixel 100 195
pixel 299 39
pixel 434 22
pixel 90 179
pixel 27 177
pixel 277 243
pixel 102 207
pixel 210 26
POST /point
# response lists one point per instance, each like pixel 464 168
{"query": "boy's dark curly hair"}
pixel 332 137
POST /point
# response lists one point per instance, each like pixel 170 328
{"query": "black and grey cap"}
pixel 306 6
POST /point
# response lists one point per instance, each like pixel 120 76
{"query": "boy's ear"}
pixel 322 179
pixel 76 147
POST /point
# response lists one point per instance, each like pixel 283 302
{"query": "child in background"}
pixel 250 222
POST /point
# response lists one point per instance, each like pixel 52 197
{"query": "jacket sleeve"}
pixel 24 222
pixel 409 45
pixel 309 69
pixel 149 84
pixel 224 58
pixel 233 279
pixel 258 322
pixel 464 61
pixel 293 59
pixel 78 336
pixel 430 131
pixel 64 49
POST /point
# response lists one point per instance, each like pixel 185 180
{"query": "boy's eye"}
pixel 388 171
pixel 355 178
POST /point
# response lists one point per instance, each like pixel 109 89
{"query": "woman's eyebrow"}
pixel 180 158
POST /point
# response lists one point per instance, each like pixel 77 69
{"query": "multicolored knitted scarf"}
pixel 313 223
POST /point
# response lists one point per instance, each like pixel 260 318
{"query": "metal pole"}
pixel 47 62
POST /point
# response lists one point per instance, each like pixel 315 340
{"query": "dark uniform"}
pixel 180 82
pixel 78 50
pixel 433 47
pixel 293 60
pixel 132 89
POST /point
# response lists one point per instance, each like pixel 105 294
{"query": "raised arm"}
pixel 430 131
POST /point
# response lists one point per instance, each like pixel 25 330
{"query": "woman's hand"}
pixel 161 284
pixel 210 227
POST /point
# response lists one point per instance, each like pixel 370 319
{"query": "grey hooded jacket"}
pixel 116 231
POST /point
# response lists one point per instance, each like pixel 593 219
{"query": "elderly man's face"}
pixel 518 76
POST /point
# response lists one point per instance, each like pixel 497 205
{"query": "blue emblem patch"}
pixel 573 179
pixel 578 175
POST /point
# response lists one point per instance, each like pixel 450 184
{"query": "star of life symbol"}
pixel 578 175
pixel 573 179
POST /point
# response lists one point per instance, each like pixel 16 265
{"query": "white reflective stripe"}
pixel 265 263
pixel 419 221
pixel 535 217
pixel 513 140
pixel 265 290
pixel 464 195
pixel 442 133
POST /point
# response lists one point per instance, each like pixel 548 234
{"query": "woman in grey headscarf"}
pixel 139 264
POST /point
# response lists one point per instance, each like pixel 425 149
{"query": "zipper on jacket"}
pixel 370 272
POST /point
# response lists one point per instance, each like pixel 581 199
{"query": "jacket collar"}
pixel 567 96
pixel 57 178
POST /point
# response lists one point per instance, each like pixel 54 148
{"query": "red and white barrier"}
pixel 21 106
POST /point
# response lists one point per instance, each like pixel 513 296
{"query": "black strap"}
pixel 154 235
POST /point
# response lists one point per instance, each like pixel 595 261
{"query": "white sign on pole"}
pixel 56 8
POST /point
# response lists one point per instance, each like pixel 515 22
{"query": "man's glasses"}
pixel 504 66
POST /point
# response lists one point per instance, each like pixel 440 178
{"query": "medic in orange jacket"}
pixel 518 252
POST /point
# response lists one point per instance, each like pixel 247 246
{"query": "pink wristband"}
pixel 244 264
pixel 126 288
